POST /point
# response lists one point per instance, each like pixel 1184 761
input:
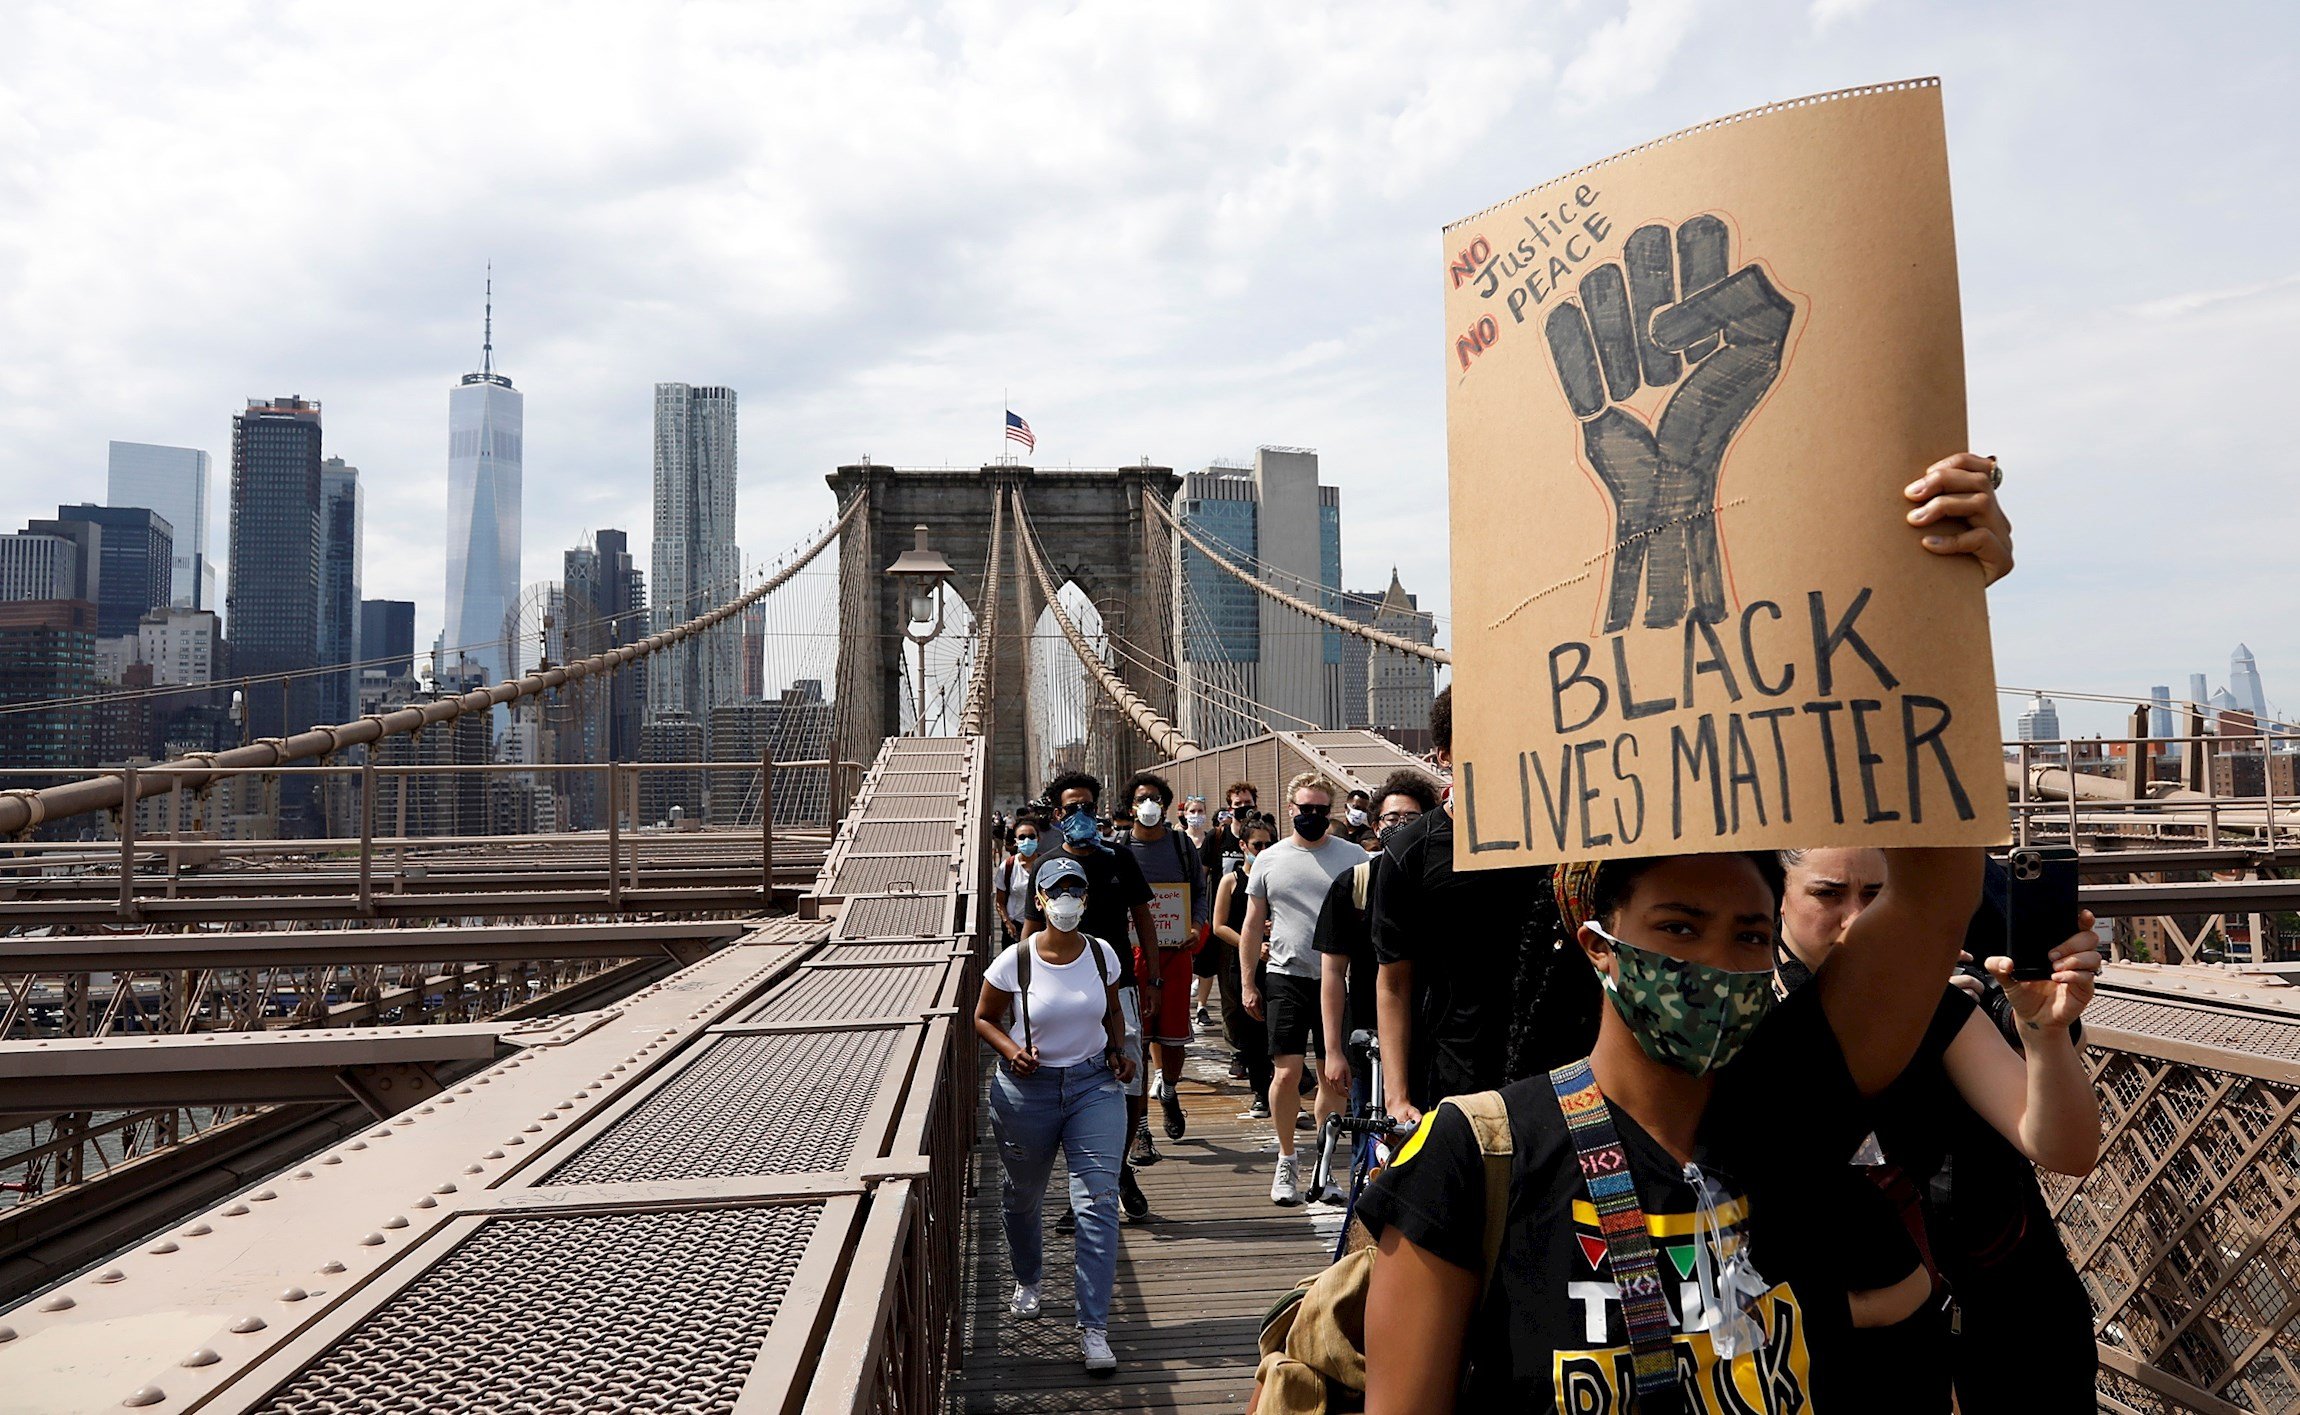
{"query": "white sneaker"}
pixel 1094 1346
pixel 1157 1084
pixel 1024 1303
pixel 1285 1187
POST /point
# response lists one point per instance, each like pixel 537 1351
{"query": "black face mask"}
pixel 1311 825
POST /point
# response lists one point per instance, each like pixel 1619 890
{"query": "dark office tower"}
pixel 387 631
pixel 604 606
pixel 47 652
pixel 132 566
pixel 339 565
pixel 273 618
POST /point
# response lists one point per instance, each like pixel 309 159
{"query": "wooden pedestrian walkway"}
pixel 1193 1280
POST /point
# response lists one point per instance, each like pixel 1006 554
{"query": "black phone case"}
pixel 2040 907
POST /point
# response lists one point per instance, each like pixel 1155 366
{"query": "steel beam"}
pixel 301 947
pixel 229 1068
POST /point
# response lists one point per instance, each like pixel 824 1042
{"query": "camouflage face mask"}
pixel 1688 1015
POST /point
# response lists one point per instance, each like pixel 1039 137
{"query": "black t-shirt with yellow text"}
pixel 1551 1333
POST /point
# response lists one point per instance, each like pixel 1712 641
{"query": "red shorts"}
pixel 1168 1020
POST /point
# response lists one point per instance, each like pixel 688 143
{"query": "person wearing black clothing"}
pixel 1724 1106
pixel 1452 949
pixel 1248 1037
pixel 1959 1136
pixel 1220 846
pixel 1344 938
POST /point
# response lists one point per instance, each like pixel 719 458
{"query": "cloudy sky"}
pixel 1173 231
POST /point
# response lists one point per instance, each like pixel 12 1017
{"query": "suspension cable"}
pixel 1302 606
pixel 23 809
pixel 984 651
pixel 1163 735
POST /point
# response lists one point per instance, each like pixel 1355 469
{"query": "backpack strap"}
pixel 1629 1259
pixel 1022 985
pixel 1489 1121
pixel 1361 882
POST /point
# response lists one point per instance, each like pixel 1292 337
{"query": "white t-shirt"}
pixel 1067 1002
pixel 1018 889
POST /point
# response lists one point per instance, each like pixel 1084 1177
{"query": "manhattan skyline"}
pixel 1143 268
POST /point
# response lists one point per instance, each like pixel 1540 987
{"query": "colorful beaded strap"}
pixel 1628 1249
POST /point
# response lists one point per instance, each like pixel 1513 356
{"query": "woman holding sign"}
pixel 1654 1186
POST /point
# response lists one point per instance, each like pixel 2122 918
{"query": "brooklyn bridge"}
pixel 684 1115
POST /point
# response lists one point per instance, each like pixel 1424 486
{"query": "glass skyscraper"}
pixel 485 422
pixel 696 562
pixel 274 594
pixel 339 518
pixel 174 482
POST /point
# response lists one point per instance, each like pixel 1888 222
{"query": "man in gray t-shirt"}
pixel 1283 896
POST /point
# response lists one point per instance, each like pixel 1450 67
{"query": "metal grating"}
pixel 881 874
pixel 908 803
pixel 540 1316
pixel 785 1104
pixel 899 990
pixel 903 837
pixel 894 915
pixel 873 951
pixel 2249 1033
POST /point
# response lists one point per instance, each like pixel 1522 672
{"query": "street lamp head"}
pixel 921 560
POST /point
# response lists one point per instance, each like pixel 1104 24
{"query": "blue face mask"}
pixel 1079 829
pixel 1027 846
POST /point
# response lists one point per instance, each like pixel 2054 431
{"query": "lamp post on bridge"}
pixel 921 570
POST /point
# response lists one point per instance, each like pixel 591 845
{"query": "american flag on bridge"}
pixel 1019 431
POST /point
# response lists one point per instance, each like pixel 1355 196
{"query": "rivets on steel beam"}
pixel 370 1240
pixel 427 1202
pixel 301 1174
pixel 463 1090
pixel 484 1080
pixel 518 1140
pixel 235 1211
pixel 111 1275
pixel 492 1155
pixel 396 1221
pixel 7 1333
pixel 471 1169
pixel 246 1325
pixel 356 1145
pixel 198 1230
pixel 262 1195
pixel 425 1111
pixel 331 1267
pixel 165 1245
pixel 293 1294
pixel 447 1188
pixel 379 1134
pixel 331 1159
pixel 403 1120
pixel 61 1302
pixel 528 1130
pixel 146 1395
pixel 202 1357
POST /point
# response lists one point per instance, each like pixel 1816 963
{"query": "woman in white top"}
pixel 1013 885
pixel 1049 1007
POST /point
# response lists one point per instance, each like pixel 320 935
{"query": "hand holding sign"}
pixel 1676 305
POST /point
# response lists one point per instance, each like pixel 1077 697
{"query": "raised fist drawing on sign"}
pixel 1671 311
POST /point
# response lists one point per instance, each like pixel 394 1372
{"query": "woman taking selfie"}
pixel 1049 1007
pixel 1989 1301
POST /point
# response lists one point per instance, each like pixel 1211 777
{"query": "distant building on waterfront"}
pixel 1400 687
pixel 47 651
pixel 179 645
pixel 486 425
pixel 339 576
pixel 273 620
pixel 1274 520
pixel 602 606
pixel 2244 683
pixel 129 569
pixel 387 632
pixel 34 565
pixel 174 481
pixel 2041 721
pixel 696 562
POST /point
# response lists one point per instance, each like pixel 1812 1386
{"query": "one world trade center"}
pixel 484 418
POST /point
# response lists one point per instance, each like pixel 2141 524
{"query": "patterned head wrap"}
pixel 1575 884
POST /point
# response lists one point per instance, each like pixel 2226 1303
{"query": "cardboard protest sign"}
pixel 1687 386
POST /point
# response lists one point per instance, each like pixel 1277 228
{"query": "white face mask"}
pixel 1357 815
pixel 1065 913
pixel 1196 820
pixel 1148 813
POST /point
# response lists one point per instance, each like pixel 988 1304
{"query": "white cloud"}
pixel 1828 12
pixel 1179 230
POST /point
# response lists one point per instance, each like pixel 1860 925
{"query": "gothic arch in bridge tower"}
pixel 1092 527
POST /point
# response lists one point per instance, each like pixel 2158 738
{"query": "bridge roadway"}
pixel 737 1189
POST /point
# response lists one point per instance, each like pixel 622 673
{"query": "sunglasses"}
pixel 1068 889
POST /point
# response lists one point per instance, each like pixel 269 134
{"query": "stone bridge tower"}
pixel 1095 531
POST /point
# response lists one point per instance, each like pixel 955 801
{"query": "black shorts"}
pixel 1290 1007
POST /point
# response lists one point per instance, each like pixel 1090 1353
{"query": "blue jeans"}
pixel 1080 1110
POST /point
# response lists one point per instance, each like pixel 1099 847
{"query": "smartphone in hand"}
pixel 2040 908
